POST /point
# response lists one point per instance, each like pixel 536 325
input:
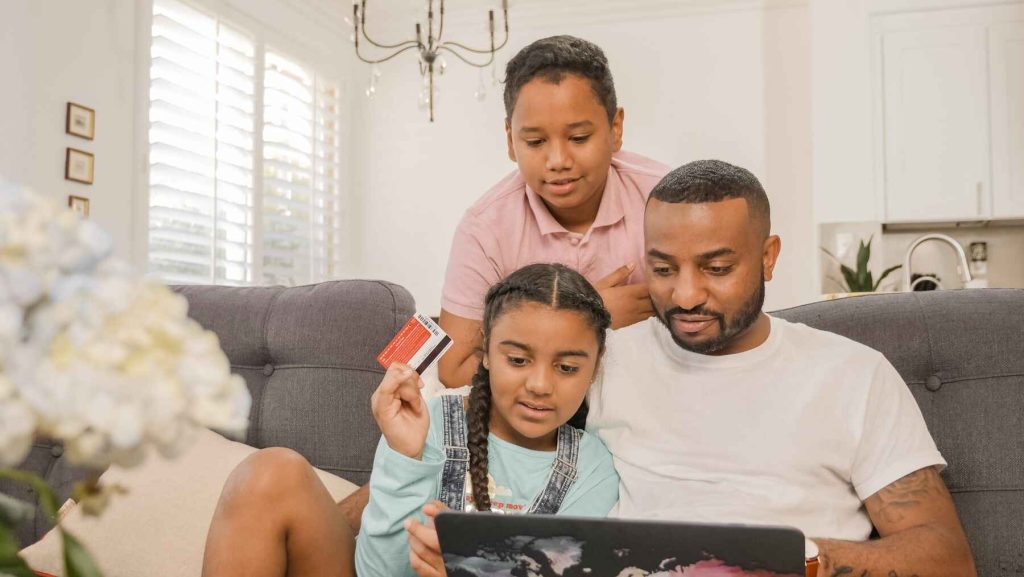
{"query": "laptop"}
pixel 489 545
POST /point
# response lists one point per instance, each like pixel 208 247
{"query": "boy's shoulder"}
pixel 631 163
pixel 508 192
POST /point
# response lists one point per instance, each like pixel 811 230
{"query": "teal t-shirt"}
pixel 400 487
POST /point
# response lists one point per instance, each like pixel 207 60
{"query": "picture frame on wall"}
pixel 79 205
pixel 81 121
pixel 79 166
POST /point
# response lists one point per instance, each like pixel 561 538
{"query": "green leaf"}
pixel 10 563
pixel 885 273
pixel 77 561
pixel 849 276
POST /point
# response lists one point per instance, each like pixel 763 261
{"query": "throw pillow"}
pixel 159 527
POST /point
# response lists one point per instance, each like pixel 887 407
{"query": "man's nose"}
pixel 689 291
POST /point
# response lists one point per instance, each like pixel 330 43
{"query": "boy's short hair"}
pixel 551 59
pixel 704 181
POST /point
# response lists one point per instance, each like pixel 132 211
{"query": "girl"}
pixel 511 451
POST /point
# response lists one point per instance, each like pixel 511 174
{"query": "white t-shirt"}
pixel 798 431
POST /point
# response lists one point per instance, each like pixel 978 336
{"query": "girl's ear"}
pixel 485 362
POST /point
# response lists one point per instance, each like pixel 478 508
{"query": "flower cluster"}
pixel 106 362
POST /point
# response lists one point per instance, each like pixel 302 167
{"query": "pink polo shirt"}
pixel 511 227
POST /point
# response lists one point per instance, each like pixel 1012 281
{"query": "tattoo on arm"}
pixel 906 493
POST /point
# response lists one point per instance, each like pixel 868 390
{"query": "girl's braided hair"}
pixel 556 286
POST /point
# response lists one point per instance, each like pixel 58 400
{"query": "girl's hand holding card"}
pixel 400 410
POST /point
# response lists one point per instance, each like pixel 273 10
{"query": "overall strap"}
pixel 456 454
pixel 563 472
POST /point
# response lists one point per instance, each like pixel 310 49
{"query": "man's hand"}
pixel 424 548
pixel 628 304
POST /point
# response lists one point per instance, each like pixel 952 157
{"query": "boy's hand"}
pixel 424 548
pixel 400 410
pixel 628 304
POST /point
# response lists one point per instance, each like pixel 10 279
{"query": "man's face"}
pixel 706 268
pixel 560 136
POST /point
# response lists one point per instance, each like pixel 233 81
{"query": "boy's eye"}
pixel 580 138
pixel 534 142
pixel 661 270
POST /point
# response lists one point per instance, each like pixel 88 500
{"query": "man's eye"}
pixel 662 270
pixel 718 270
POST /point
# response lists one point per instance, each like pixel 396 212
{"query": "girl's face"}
pixel 541 362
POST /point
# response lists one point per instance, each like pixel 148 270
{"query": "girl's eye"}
pixel 568 369
pixel 516 361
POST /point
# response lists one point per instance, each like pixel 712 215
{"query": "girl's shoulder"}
pixel 593 452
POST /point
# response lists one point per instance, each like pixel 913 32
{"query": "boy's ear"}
pixel 617 129
pixel 508 136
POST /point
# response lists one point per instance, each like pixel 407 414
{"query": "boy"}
pixel 575 199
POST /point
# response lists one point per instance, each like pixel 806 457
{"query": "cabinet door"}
pixel 1006 57
pixel 936 124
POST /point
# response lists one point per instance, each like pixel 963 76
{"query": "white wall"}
pixel 55 51
pixel 732 84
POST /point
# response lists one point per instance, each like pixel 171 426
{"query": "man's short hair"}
pixel 704 181
pixel 551 59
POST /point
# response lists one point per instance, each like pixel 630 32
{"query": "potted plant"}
pixel 859 280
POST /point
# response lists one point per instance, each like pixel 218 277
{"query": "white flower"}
pixel 90 354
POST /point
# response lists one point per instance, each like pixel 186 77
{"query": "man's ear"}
pixel 508 137
pixel 617 120
pixel 770 255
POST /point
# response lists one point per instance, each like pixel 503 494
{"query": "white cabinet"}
pixel 1006 52
pixel 952 115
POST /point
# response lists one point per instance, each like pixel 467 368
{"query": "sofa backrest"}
pixel 962 355
pixel 308 355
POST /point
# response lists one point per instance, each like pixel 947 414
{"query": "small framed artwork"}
pixel 80 205
pixel 79 166
pixel 81 121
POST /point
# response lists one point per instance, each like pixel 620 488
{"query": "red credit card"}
pixel 418 344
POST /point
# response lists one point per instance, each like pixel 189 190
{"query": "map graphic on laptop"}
pixel 482 545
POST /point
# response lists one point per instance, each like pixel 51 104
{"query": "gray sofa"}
pixel 308 352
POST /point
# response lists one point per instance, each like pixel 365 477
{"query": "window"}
pixel 244 185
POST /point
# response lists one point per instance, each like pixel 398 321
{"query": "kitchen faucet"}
pixel 962 268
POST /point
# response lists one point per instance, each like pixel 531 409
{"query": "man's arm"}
pixel 457 367
pixel 920 535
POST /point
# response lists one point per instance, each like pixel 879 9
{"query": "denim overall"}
pixel 456 462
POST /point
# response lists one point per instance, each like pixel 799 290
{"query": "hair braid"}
pixel 479 427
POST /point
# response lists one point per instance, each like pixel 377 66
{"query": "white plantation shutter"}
pixel 210 219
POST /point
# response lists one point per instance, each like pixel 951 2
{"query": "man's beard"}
pixel 729 329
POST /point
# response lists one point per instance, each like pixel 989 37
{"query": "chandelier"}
pixel 430 48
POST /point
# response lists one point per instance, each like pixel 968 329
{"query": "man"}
pixel 716 412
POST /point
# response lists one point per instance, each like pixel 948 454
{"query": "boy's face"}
pixel 560 136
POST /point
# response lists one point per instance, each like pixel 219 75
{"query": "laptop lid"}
pixel 488 545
